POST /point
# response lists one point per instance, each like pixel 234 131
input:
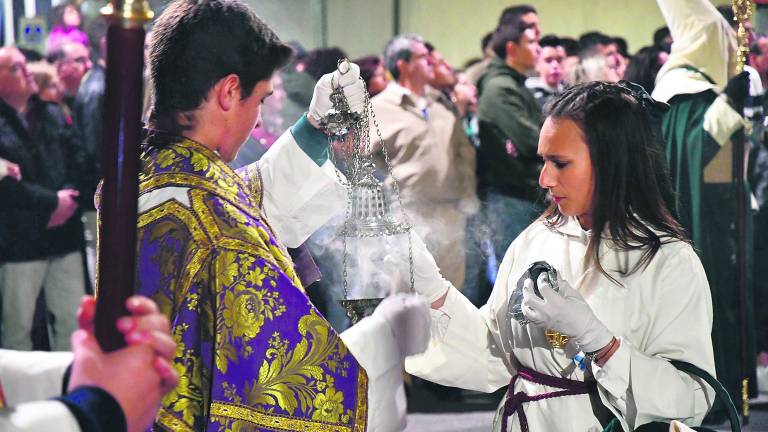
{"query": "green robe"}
pixel 708 212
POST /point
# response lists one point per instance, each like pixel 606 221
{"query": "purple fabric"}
pixel 305 265
pixel 60 35
pixel 253 353
pixel 515 401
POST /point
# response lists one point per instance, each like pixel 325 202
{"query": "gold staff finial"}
pixel 742 10
pixel 129 12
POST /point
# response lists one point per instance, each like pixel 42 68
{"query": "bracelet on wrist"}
pixel 595 355
pixel 604 357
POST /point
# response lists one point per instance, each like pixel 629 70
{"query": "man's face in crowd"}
pixel 16 83
pixel 550 65
pixel 419 67
pixel 443 72
pixel 614 58
pixel 52 92
pixel 528 50
pixel 760 61
pixel 74 65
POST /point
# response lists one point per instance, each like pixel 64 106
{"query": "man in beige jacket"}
pixel 431 157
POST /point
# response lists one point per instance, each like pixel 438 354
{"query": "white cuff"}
pixel 38 416
pixel 721 120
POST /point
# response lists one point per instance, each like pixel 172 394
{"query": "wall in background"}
pixel 455 26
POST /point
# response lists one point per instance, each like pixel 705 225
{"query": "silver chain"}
pixel 359 133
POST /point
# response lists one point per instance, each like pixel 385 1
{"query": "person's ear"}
pixel 228 91
pixel 511 49
pixel 402 66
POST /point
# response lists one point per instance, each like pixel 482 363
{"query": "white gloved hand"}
pixel 408 317
pixel 427 279
pixel 566 312
pixel 350 82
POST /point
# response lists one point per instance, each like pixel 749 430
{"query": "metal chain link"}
pixel 359 133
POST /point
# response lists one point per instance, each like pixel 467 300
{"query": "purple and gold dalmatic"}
pixel 253 353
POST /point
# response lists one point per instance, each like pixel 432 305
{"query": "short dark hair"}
pixel 512 14
pixel 506 33
pixel 633 197
pixel 195 43
pixel 660 34
pixel 571 46
pixel 621 43
pixel 590 40
pixel 321 61
pixel 550 40
pixel 486 41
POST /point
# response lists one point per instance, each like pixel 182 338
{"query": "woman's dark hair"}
pixel 368 66
pixel 632 194
pixel 321 61
pixel 194 44
pixel 644 67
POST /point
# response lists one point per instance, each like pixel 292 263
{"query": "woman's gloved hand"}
pixel 566 312
pixel 351 84
pixel 427 279
pixel 408 317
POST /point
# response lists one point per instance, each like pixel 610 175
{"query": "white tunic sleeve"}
pixel 32 375
pixel 372 343
pixel 299 196
pixel 466 355
pixel 638 382
pixel 43 416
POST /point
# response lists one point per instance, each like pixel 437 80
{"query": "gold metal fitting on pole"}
pixel 742 11
pixel 130 12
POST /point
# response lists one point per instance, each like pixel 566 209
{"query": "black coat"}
pixel 43 145
pixel 88 115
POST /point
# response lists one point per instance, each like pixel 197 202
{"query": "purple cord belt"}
pixel 515 401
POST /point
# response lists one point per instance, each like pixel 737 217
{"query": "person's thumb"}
pixel 84 343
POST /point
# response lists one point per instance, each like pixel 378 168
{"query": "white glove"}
pixel 566 312
pixel 427 279
pixel 408 317
pixel 352 85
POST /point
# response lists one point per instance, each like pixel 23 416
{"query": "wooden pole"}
pixel 120 166
pixel 742 9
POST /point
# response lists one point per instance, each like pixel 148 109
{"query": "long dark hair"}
pixel 644 67
pixel 632 192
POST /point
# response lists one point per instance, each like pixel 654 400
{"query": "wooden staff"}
pixel 742 9
pixel 120 165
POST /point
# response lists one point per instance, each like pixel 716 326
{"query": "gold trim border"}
pixel 273 421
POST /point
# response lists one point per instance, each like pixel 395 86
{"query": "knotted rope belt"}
pixel 515 401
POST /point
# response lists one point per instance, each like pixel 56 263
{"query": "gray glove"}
pixel 566 312
pixel 408 317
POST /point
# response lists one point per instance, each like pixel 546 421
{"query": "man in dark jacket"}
pixel 40 230
pixel 510 119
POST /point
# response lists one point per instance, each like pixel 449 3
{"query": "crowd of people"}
pixel 541 140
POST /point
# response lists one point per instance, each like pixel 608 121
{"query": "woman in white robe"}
pixel 635 299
